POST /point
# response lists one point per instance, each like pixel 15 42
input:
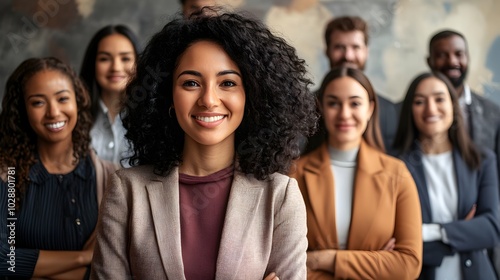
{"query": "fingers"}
pixel 471 213
pixel 271 276
pixel 389 246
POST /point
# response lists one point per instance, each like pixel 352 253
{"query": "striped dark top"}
pixel 58 212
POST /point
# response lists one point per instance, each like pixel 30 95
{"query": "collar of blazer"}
pixel 465 180
pixel 368 159
pixel 368 188
pixel 244 199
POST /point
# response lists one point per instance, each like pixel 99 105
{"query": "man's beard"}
pixel 350 64
pixel 458 81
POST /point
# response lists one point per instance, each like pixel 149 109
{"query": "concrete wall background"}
pixel 400 31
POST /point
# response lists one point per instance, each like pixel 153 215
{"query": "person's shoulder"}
pixel 279 179
pixel 137 173
pixel 390 162
pixel 275 182
pixel 383 101
pixel 314 154
pixel 487 154
pixel 484 102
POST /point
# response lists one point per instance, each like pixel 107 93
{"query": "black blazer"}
pixel 388 113
pixel 484 121
pixel 468 238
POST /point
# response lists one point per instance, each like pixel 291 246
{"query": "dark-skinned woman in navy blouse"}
pixel 51 181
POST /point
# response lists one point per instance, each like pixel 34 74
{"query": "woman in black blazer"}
pixel 459 201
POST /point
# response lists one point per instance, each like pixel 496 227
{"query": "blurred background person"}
pixel 107 66
pixel 449 54
pixel 44 135
pixel 457 182
pixel 347 45
pixel 192 6
pixel 363 212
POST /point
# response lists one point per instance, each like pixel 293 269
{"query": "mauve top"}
pixel 203 202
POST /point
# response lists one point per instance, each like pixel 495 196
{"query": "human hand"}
pixel 389 246
pixel 471 213
pixel 271 276
pixel 321 260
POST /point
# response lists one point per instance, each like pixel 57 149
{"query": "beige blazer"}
pixel 385 204
pixel 139 234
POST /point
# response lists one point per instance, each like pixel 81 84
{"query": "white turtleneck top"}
pixel 343 166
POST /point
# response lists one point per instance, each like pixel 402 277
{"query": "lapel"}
pixel 464 179
pixel 244 198
pixel 163 194
pixel 368 189
pixel 466 185
pixel 413 160
pixel 321 193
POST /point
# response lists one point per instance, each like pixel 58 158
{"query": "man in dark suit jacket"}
pixel 448 54
pixel 347 45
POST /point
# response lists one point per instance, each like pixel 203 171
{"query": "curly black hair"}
pixel 17 139
pixel 279 108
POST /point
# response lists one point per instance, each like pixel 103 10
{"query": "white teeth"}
pixel 209 119
pixel 55 125
pixel 432 119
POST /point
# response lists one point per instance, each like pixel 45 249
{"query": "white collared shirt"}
pixel 443 197
pixel 108 139
pixel 465 100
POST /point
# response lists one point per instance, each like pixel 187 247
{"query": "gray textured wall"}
pixel 400 31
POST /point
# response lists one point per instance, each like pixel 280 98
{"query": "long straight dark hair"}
pixel 372 134
pixel 407 131
pixel 87 71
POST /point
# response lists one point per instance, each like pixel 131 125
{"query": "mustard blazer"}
pixel 385 205
pixel 139 234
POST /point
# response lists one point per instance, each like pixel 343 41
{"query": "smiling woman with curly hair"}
pixel 51 183
pixel 214 114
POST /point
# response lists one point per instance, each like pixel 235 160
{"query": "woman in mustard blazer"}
pixel 363 211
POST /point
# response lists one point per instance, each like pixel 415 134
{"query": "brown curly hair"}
pixel 17 138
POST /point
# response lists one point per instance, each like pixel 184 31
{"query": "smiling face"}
pixel 449 56
pixel 432 109
pixel 51 106
pixel 347 49
pixel 114 64
pixel 346 109
pixel 208 95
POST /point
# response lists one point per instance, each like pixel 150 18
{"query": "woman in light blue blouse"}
pixel 106 68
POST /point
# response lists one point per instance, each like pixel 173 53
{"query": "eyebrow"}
pixel 417 94
pixel 121 53
pixel 198 74
pixel 43 95
pixel 335 97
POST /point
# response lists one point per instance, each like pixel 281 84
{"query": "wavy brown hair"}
pixel 372 134
pixel 17 139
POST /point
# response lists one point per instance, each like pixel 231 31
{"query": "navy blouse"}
pixel 58 212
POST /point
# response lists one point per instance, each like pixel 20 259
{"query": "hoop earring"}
pixel 170 111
